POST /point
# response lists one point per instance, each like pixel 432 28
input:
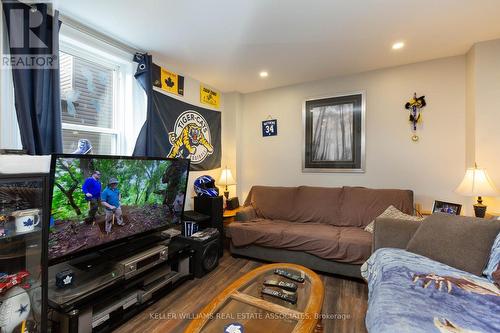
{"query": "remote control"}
pixel 283 295
pixel 288 275
pixel 290 286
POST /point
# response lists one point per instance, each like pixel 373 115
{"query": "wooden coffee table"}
pixel 241 303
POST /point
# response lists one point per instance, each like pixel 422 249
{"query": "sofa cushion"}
pixel 296 204
pixel 461 242
pixel 393 233
pixel 258 231
pixel 343 244
pixel 317 204
pixel 270 202
pixel 362 205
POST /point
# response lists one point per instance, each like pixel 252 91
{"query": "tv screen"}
pixel 99 200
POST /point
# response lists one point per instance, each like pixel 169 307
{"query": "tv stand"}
pixel 134 246
pixel 87 263
pixel 106 292
pixel 115 253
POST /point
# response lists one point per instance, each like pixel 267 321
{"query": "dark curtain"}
pixel 144 75
pixel 34 37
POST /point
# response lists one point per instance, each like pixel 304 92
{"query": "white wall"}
pixel 432 167
pixel 230 136
pixel 485 85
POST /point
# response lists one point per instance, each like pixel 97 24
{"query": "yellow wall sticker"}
pixel 209 96
pixel 167 80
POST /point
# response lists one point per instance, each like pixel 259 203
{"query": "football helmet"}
pixel 205 186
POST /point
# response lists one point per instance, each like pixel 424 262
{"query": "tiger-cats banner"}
pixel 179 129
pixel 167 80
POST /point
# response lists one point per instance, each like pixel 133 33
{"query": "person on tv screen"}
pixel 110 199
pixel 92 190
pixel 177 207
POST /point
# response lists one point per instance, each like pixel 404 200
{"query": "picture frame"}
pixel 446 207
pixel 334 133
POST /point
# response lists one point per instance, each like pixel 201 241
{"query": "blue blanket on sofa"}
pixel 412 293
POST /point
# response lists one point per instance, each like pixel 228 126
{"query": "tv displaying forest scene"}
pixel 101 199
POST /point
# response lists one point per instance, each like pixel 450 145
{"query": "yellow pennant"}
pixel 167 80
pixel 209 96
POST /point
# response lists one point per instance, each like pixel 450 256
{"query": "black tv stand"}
pixel 103 297
pixel 87 263
pixel 136 245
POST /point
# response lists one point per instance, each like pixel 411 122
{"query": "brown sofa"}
pixel 318 227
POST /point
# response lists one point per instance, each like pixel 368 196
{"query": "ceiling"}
pixel 226 43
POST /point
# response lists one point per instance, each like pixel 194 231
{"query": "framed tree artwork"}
pixel 334 133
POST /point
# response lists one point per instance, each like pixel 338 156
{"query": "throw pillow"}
pixel 457 241
pixel 393 213
pixel 494 259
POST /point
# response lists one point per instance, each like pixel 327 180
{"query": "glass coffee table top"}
pixel 242 305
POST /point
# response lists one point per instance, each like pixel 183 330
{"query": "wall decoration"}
pixel 415 106
pixel 209 96
pixel 270 127
pixel 334 134
pixel 178 129
pixel 167 80
pixel 446 207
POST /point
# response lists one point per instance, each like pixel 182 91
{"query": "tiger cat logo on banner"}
pixel 190 138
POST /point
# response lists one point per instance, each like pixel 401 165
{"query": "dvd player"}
pixel 143 261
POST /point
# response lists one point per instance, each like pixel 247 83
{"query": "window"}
pixel 100 98
pixel 88 102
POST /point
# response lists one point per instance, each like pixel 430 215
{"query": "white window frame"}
pixel 79 44
pixel 129 99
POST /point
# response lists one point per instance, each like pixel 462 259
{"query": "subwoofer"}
pixel 206 253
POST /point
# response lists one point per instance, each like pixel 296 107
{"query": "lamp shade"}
pixel 476 182
pixel 226 177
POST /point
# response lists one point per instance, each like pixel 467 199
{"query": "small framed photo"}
pixel 446 207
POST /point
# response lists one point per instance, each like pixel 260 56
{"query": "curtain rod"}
pixel 98 35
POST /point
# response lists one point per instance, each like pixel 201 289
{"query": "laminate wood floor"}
pixel 345 301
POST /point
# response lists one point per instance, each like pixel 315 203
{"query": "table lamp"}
pixel 476 182
pixel 226 179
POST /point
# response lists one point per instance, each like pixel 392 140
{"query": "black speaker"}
pixel 206 253
pixel 232 203
pixel 213 207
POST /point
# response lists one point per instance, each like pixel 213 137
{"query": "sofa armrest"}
pixel 246 214
pixel 393 233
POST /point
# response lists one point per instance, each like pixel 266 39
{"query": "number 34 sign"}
pixel 270 127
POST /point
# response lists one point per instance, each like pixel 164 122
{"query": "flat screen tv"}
pixel 98 201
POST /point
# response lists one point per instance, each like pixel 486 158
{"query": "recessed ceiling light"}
pixel 398 45
pixel 263 74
